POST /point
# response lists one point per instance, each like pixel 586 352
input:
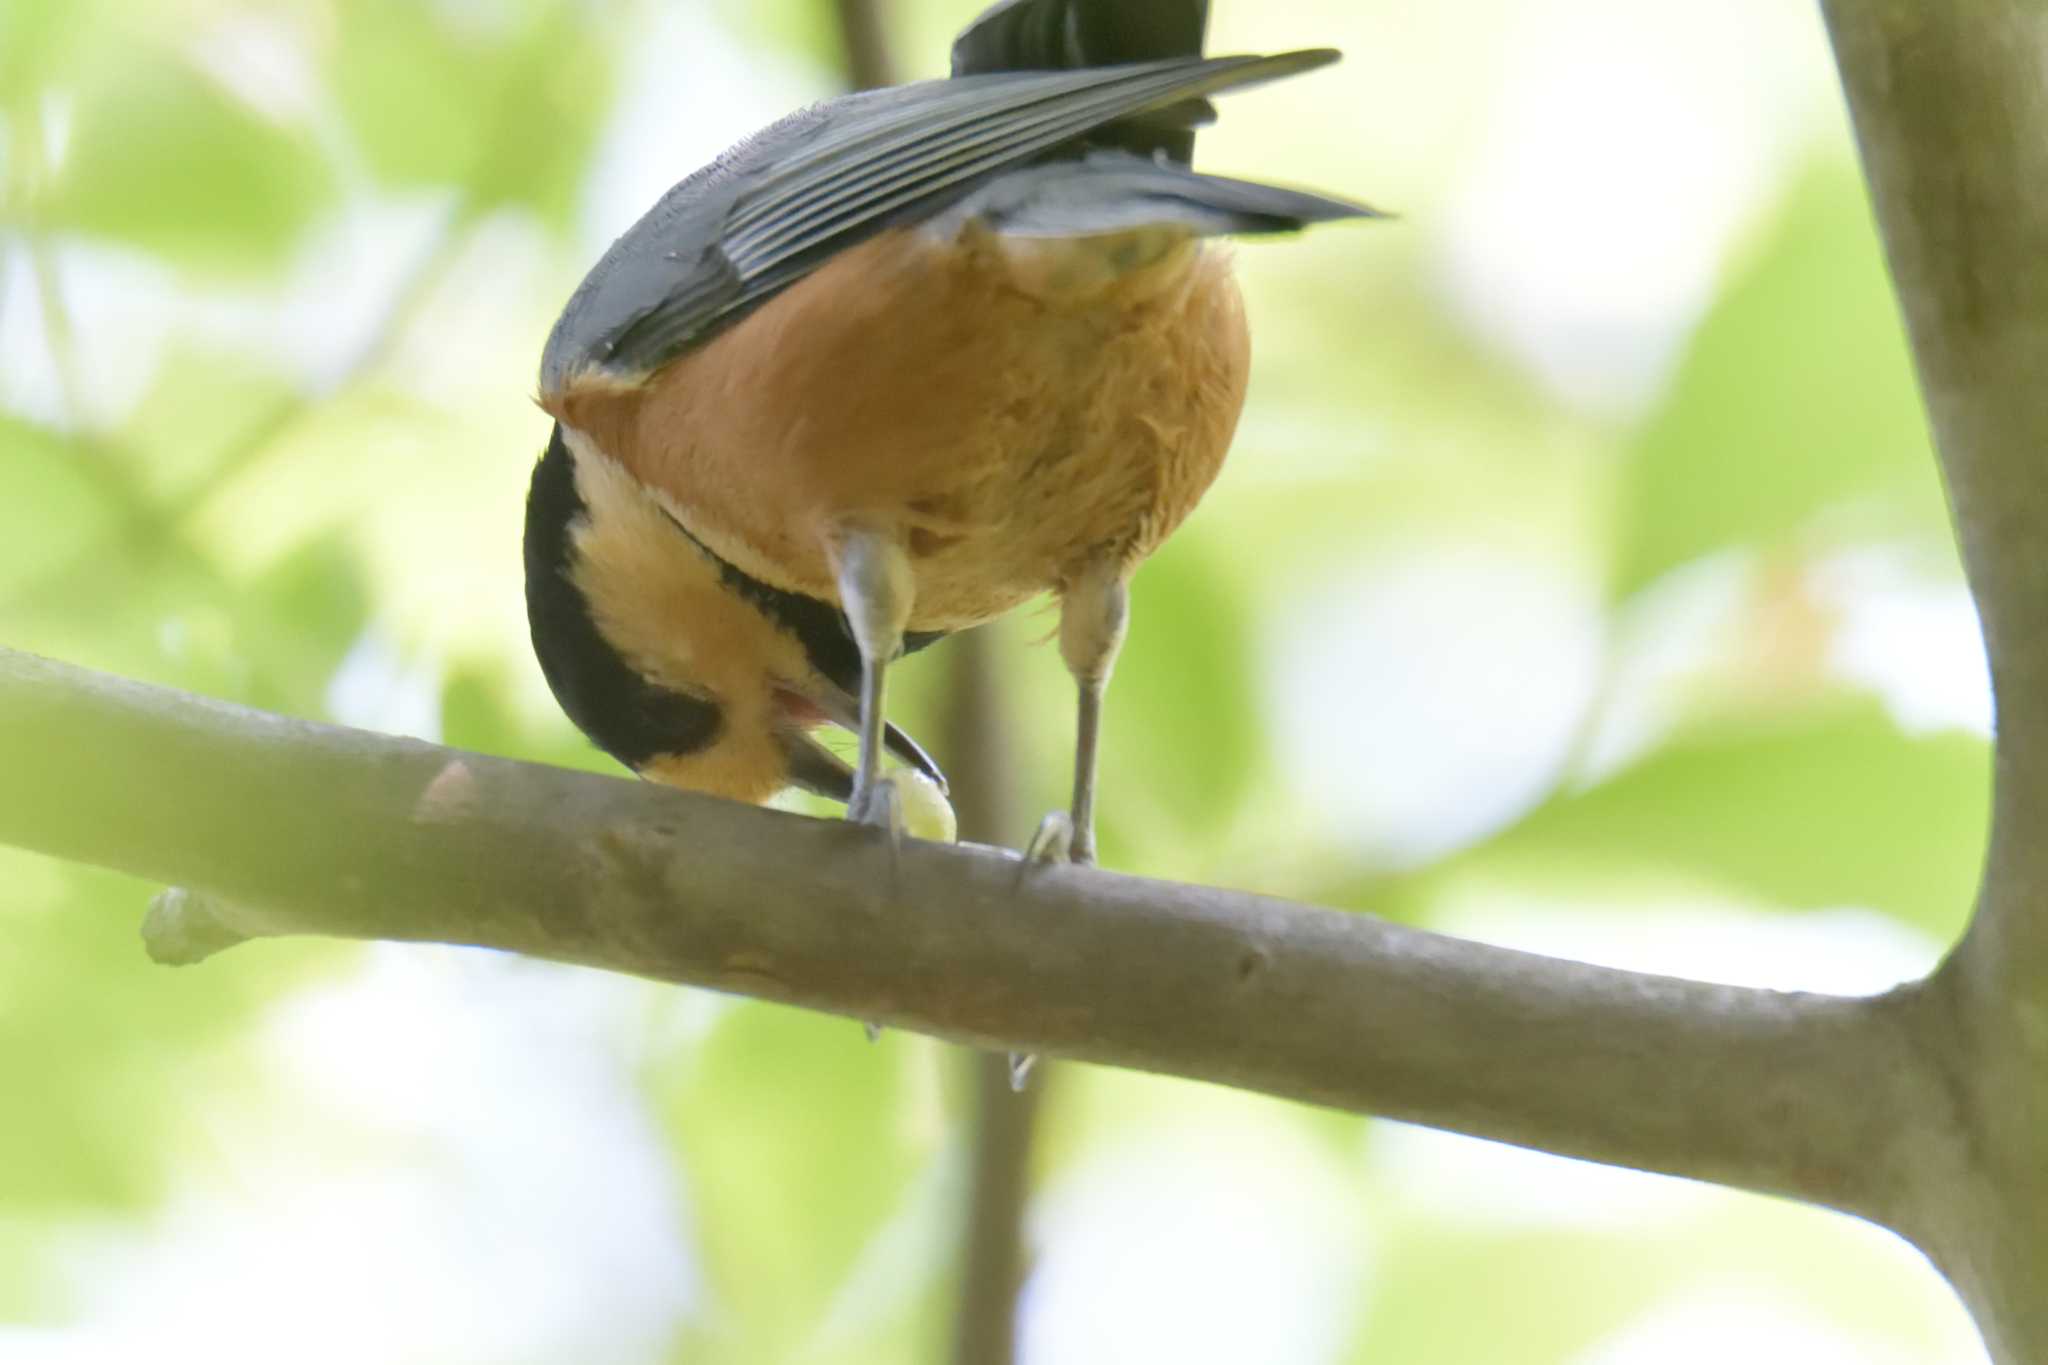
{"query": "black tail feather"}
pixel 1066 35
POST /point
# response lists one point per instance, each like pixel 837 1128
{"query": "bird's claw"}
pixel 879 804
pixel 1052 842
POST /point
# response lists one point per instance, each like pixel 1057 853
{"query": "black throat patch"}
pixel 818 626
pixel 624 714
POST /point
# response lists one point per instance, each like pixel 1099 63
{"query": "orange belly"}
pixel 1011 412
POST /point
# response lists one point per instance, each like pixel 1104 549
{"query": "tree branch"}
pixel 996 1260
pixel 311 829
pixel 865 36
pixel 1951 115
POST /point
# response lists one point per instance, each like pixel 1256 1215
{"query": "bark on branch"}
pixel 300 828
pixel 1950 103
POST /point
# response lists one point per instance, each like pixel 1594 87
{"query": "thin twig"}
pixel 993 1270
pixel 981 762
pixel 864 37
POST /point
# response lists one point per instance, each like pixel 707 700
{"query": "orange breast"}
pixel 1011 411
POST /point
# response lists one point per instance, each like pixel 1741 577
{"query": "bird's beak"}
pixel 816 768
pixel 844 711
pixel 908 749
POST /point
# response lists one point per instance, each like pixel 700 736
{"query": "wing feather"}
pixel 777 209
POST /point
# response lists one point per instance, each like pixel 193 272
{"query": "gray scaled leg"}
pixel 875 591
pixel 1095 612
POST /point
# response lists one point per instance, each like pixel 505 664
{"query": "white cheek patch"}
pixel 1056 267
pixel 621 567
pixel 1051 262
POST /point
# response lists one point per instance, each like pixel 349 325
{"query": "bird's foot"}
pixel 877 803
pixel 1052 842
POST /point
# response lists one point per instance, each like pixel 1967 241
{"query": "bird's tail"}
pixel 1113 192
pixel 1067 35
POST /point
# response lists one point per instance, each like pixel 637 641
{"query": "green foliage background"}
pixel 304 1149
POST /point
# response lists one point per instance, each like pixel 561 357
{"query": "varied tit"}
pixel 892 367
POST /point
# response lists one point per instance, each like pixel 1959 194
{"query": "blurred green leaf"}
pixel 1833 807
pixel 53 508
pixel 95 1038
pixel 152 613
pixel 297 623
pixel 28 1279
pixel 1797 395
pixel 133 608
pixel 203 405
pixel 475 716
pixel 804 28
pixel 797 1150
pixel 1552 1293
pixel 1181 736
pixel 163 159
pixel 39 40
pixel 506 110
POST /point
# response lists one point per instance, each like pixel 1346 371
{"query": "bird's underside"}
pixel 1073 399
pixel 894 366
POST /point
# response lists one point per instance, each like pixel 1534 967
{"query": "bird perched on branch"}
pixel 889 368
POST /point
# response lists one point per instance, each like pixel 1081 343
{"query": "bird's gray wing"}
pixel 779 206
pixel 1112 191
pixel 1067 35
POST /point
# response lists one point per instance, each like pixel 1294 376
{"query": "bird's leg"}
pixel 875 591
pixel 1095 610
pixel 1094 613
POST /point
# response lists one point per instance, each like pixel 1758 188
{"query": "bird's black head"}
pixel 670 659
pixel 1067 35
pixel 629 717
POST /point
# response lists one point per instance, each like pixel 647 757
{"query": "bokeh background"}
pixel 1580 582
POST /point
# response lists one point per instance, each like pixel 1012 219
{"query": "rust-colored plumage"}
pixel 1023 389
pixel 1006 428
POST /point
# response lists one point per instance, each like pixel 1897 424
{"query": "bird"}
pixel 887 369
